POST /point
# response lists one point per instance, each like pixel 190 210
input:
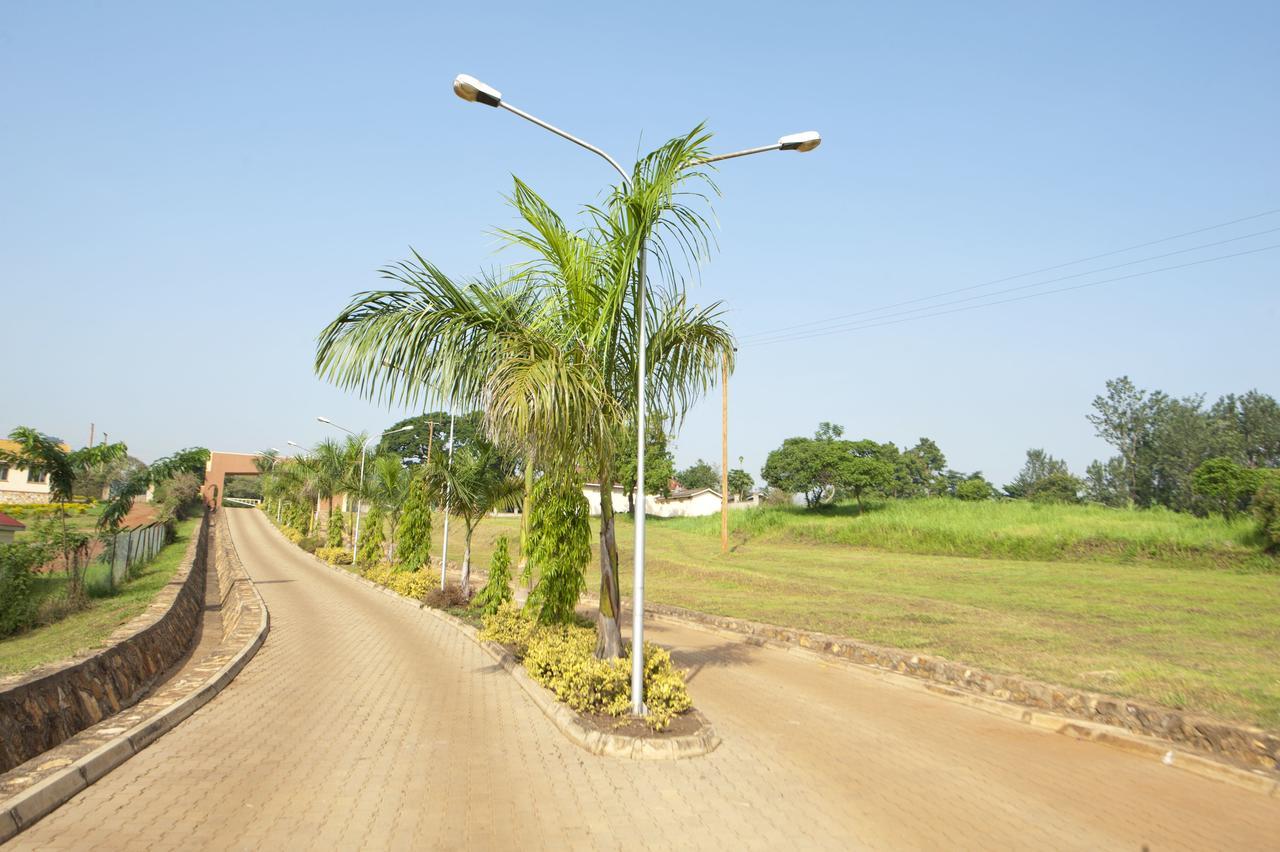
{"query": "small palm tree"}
pixel 389 483
pixel 478 481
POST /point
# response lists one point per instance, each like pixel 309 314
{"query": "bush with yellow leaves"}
pixel 335 555
pixel 562 658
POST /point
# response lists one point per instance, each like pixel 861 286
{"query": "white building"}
pixel 683 503
pixel 19 485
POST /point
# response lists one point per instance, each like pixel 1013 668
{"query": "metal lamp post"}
pixel 364 446
pixel 470 89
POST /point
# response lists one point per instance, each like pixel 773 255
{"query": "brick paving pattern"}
pixel 363 723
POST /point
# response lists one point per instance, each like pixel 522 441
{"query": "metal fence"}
pixel 129 548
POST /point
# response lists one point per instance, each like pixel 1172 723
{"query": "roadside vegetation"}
pixel 88 627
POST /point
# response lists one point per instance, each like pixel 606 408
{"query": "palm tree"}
pixel 478 481
pixel 389 482
pixel 550 352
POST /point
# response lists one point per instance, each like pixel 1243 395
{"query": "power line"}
pixel 993 282
pixel 876 324
pixel 827 323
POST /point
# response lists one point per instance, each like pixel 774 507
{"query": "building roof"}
pixel 8 523
pixel 15 447
pixel 688 493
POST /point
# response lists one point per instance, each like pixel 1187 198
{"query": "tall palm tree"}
pixel 550 351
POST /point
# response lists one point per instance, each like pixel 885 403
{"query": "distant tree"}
pixel 975 489
pixel 1046 479
pixel 828 431
pixel 1224 485
pixel 1105 483
pixel 431 433
pixel 659 463
pixel 865 468
pixel 740 483
pixel 698 475
pixel 804 466
pixel 1266 508
pixel 1123 418
pixel 1254 420
pixel 1184 434
pixel 918 471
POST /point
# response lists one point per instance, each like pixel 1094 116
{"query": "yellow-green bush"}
pixel 411 584
pixel 292 534
pixel 37 510
pixel 562 658
pixel 335 555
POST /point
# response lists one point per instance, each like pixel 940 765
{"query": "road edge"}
pixel 36 802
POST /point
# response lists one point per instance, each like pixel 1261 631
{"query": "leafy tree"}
pixel 740 483
pixel 389 482
pixel 1266 508
pixel 430 435
pixel 1105 483
pixel 975 489
pixel 805 466
pixel 699 475
pixel 1254 420
pixel 1223 484
pixel 1123 418
pixel 918 471
pixel 828 431
pixel 550 351
pixel 372 537
pixel 560 541
pixel 414 534
pixel 1046 479
pixel 865 468
pixel 497 590
pixel 659 463
pixel 18 561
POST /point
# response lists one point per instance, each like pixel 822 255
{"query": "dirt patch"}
pixel 684 725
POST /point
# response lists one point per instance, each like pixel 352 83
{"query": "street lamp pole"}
pixel 470 89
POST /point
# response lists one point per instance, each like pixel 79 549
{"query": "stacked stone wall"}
pixel 41 709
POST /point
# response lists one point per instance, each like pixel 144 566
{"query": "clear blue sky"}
pixel 190 194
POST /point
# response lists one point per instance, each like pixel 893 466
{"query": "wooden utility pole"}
pixel 431 438
pixel 724 454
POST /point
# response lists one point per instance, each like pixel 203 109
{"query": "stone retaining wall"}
pixel 236 594
pixel 1252 747
pixel 41 709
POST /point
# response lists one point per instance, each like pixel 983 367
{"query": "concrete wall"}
pixel 219 466
pixel 42 708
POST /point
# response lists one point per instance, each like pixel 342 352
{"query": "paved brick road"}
pixel 363 723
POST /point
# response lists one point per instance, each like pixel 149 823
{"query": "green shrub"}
pixel 371 537
pixel 562 658
pixel 1266 508
pixel 17 582
pixel 293 535
pixel 497 590
pixel 974 490
pixel 413 536
pixel 560 545
pixel 333 537
pixel 310 543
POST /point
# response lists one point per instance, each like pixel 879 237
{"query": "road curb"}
pixel 1115 737
pixel 565 718
pixel 20 811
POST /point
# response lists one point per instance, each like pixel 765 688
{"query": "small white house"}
pixel 19 485
pixel 683 503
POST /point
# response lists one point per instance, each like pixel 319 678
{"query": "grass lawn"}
pixel 89 628
pixel 1194 624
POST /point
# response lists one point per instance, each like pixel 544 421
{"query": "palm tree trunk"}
pixel 523 570
pixel 465 583
pixel 608 627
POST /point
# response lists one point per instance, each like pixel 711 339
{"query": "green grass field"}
pixel 1151 605
pixel 89 628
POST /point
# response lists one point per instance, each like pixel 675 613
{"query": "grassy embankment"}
pixel 89 628
pixel 1153 605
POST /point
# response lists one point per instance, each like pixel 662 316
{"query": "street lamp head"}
pixel 273 449
pixel 470 89
pixel 806 141
pixel 325 420
pixel 295 444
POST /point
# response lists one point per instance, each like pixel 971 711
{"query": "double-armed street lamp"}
pixel 470 89
pixel 364 446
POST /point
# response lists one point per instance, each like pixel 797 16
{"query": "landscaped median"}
pixel 588 699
